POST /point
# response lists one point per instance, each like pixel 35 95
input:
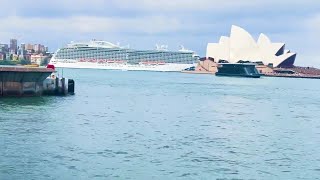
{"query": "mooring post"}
pixel 63 86
pixel 56 89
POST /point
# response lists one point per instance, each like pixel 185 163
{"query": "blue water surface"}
pixel 153 125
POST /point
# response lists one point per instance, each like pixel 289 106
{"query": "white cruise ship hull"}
pixel 168 67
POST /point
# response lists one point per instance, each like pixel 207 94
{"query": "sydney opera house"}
pixel 241 46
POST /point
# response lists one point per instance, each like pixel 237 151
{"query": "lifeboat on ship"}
pixel 161 63
pixel 101 61
pixel 149 63
pixel 110 61
pixel 119 61
pixel 143 62
pixel 153 63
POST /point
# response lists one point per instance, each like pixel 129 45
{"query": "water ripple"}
pixel 148 125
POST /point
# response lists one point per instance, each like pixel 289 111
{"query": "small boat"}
pixel 238 70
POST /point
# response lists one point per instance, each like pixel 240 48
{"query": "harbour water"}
pixel 152 125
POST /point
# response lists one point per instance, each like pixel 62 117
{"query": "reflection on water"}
pixel 148 125
pixel 25 101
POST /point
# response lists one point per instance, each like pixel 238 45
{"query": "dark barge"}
pixel 238 70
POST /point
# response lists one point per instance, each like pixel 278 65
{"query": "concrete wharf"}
pixel 32 81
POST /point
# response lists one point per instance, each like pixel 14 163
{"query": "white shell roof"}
pixel 242 46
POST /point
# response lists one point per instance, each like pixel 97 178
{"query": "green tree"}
pixel 46 60
pixel 6 62
pixel 24 62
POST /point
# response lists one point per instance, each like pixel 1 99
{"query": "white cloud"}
pixel 178 5
pixel 207 5
pixel 311 40
pixel 90 24
pixel 151 6
pixel 313 24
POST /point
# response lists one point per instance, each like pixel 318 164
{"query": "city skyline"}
pixel 142 24
pixel 14 46
pixel 23 53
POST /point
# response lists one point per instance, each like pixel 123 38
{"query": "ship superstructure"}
pixel 106 55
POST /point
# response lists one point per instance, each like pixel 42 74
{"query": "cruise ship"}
pixel 105 55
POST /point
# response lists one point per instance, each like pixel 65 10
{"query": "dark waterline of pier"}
pixel 152 125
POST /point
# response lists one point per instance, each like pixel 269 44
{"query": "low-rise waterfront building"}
pixel 207 65
pixel 37 59
pixel 264 69
pixel 2 56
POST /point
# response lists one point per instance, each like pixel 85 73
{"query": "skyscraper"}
pixel 13 46
pixel 37 48
pixel 42 49
pixel 4 48
pixel 23 46
pixel 29 47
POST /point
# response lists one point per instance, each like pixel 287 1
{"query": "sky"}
pixel 144 23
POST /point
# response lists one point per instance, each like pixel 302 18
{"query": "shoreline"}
pixel 304 76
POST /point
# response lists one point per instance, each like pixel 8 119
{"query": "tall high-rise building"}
pixel 29 47
pixel 22 49
pixel 13 46
pixel 37 47
pixel 23 46
pixel 4 48
pixel 42 48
